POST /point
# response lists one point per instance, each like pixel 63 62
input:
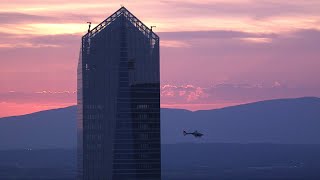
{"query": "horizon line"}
pixel 239 104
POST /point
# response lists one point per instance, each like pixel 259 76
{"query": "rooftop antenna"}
pixel 152 27
pixel 89 26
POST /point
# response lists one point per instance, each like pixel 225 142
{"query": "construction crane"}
pixel 89 26
pixel 152 27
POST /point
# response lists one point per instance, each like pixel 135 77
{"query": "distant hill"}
pixel 283 121
pixel 46 129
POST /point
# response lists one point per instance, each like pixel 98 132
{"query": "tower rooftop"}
pixel 130 17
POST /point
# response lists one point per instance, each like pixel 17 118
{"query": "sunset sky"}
pixel 214 53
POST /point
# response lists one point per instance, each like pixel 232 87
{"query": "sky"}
pixel 214 53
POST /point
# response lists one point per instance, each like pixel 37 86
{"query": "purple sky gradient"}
pixel 213 53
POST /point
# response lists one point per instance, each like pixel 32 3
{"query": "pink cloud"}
pixel 187 96
pixel 187 92
pixel 182 93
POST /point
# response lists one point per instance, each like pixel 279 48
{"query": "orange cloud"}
pixel 174 44
pixel 241 15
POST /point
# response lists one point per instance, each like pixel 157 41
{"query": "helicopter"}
pixel 195 134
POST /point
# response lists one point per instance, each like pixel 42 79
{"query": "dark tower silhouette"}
pixel 119 101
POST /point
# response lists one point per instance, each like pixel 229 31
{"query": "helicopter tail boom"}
pixel 185 133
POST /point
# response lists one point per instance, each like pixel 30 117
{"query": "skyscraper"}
pixel 119 101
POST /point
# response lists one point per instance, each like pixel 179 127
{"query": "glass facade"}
pixel 119 101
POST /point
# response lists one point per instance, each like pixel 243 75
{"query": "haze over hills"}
pixel 46 129
pixel 283 121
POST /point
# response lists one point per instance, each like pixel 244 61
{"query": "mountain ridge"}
pixel 251 103
pixel 282 121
